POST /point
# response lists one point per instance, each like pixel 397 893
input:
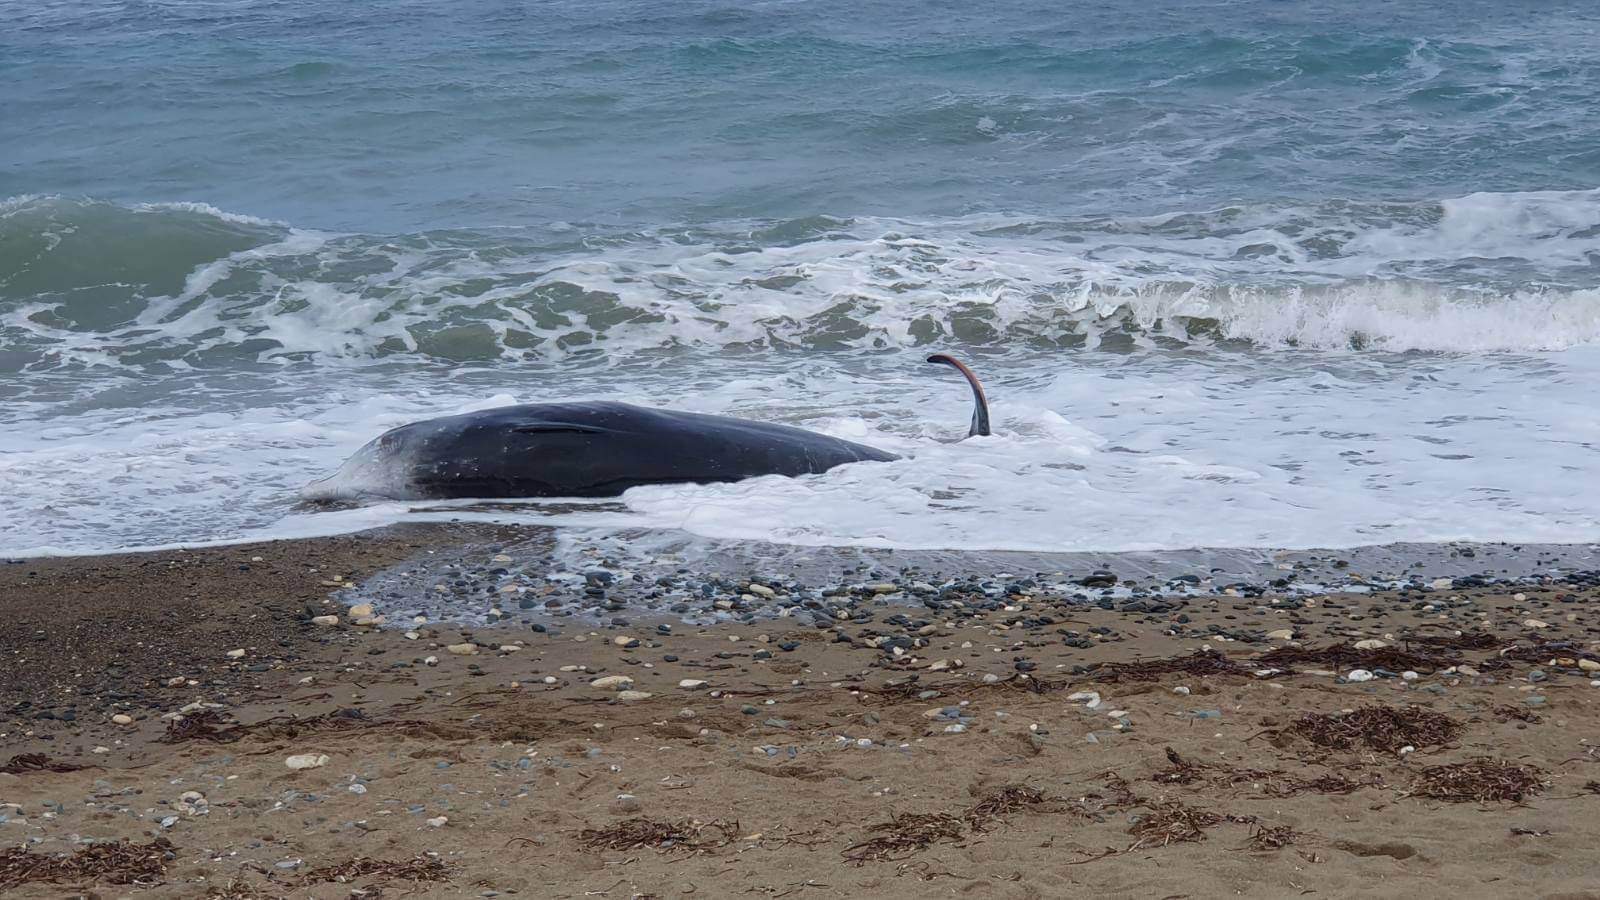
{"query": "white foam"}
pixel 1308 438
pixel 1166 454
pixel 1450 276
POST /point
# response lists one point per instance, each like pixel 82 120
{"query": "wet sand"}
pixel 1030 744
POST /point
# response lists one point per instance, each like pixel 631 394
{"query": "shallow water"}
pixel 1236 275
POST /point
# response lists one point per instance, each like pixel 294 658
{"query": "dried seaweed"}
pixel 1521 714
pixel 1383 728
pixel 1478 781
pixel 1172 822
pixel 1540 653
pixel 217 727
pixel 905 834
pixel 681 835
pixel 1273 783
pixel 1466 640
pixel 1272 837
pixel 1199 664
pixel 1341 656
pixel 1323 784
pixel 1000 803
pixel 417 868
pixel 36 762
pixel 204 725
pixel 118 862
pixel 909 833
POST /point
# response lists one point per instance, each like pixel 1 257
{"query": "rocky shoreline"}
pixel 273 720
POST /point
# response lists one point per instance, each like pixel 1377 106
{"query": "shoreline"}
pixel 1009 741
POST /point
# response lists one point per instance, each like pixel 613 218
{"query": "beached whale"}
pixel 596 449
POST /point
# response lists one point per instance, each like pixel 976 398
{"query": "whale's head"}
pixel 382 468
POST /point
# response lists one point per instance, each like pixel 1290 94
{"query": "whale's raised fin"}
pixel 557 428
pixel 980 410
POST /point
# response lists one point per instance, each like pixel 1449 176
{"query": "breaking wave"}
pixel 86 283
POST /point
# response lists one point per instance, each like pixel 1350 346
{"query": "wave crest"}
pixel 86 283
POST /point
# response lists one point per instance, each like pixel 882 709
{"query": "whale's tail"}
pixel 980 409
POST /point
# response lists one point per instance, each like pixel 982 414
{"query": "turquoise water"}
pixel 1333 268
pixel 403 116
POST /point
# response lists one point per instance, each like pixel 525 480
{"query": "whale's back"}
pixel 577 450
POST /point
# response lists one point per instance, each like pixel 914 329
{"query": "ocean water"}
pixel 1237 275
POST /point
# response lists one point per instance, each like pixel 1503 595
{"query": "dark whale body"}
pixel 590 450
pixel 578 450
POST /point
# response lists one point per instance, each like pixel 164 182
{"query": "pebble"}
pixel 1090 699
pixel 463 649
pixel 1535 623
pixel 236 654
pixel 612 683
pixel 360 609
pixel 324 620
pixel 1371 644
pixel 1589 665
pixel 1409 675
pixel 438 821
pixel 1358 675
pixel 307 761
pixel 1282 634
pixel 762 590
pixel 626 803
pixel 629 696
pixel 122 719
pixel 691 684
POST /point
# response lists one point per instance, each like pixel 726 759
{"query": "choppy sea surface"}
pixel 1237 275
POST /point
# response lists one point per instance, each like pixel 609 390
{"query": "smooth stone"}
pixel 612 683
pixel 307 761
pixel 463 649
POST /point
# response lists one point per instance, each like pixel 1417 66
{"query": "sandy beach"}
pixel 190 724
